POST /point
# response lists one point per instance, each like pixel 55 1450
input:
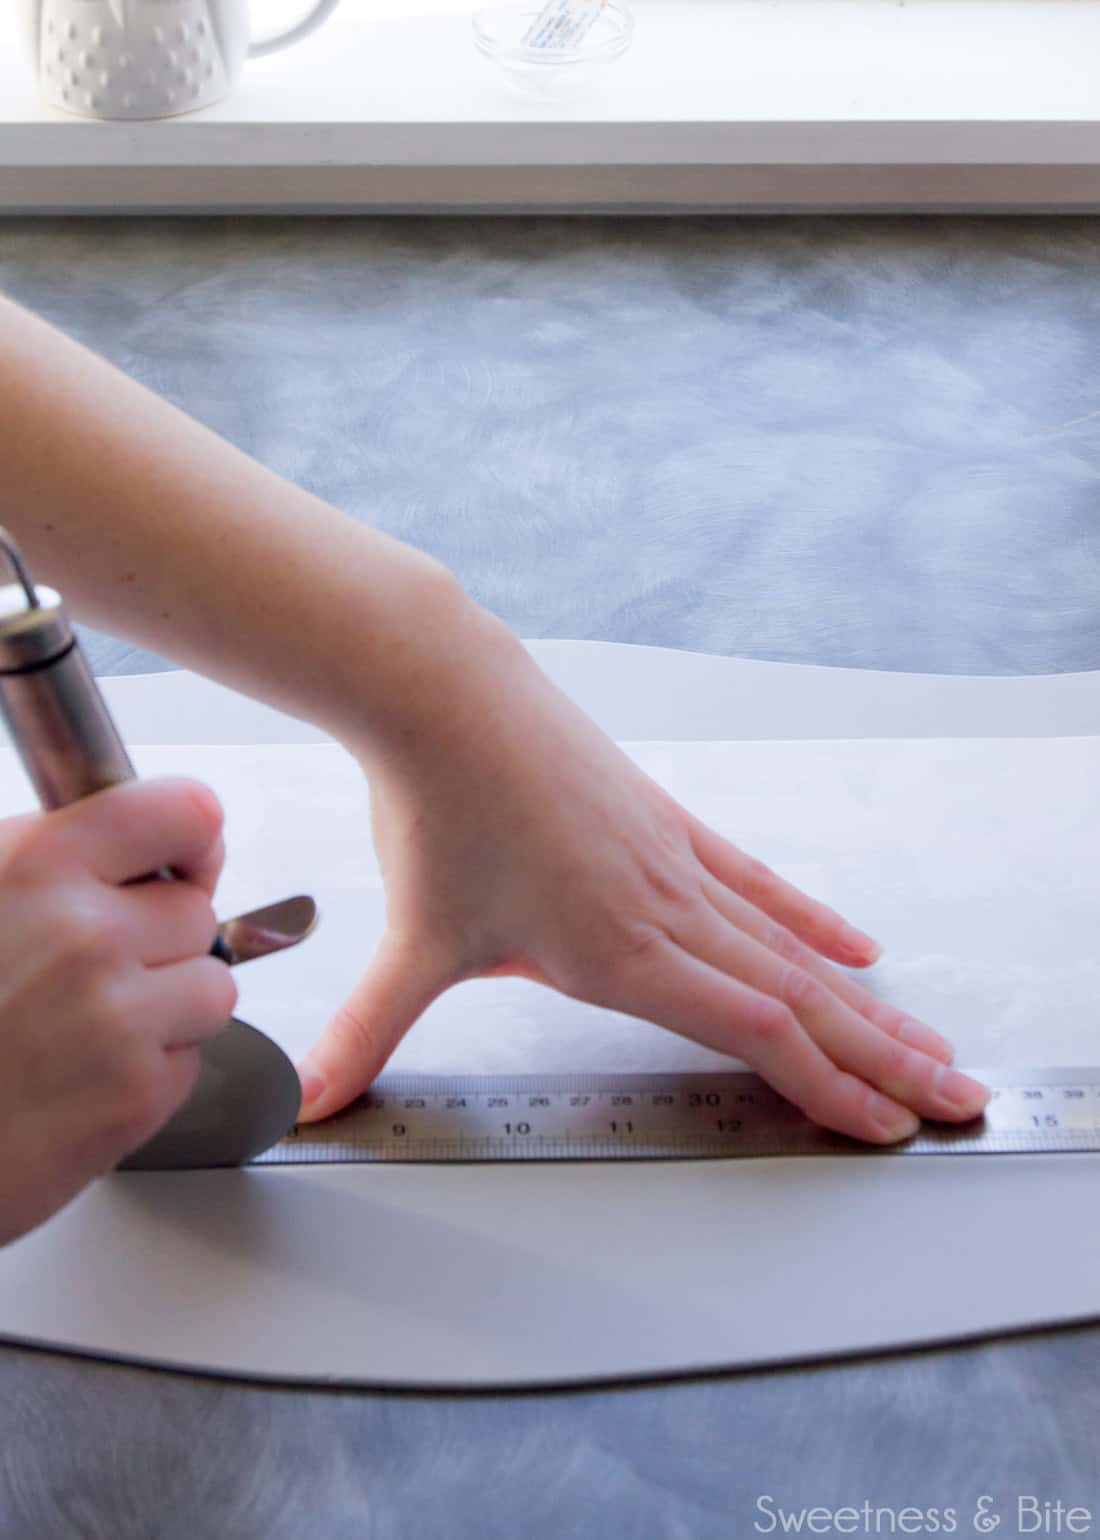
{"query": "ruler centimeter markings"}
pixel 693 1116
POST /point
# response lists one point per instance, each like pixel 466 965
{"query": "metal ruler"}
pixel 665 1117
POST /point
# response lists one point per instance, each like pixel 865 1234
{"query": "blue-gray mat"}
pixel 870 442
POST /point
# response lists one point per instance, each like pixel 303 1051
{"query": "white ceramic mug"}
pixel 146 58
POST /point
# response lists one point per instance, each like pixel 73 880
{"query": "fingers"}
pixel 181 1070
pixel 668 986
pixel 165 921
pixel 131 830
pixel 205 872
pixel 163 1093
pixel 888 1018
pixel 815 923
pixel 184 1003
pixel 398 987
pixel 906 1074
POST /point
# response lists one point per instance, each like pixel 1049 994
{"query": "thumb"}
pixel 397 988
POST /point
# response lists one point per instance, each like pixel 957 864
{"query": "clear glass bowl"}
pixel 500 26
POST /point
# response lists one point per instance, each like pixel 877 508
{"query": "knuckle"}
pixel 758 880
pixel 670 885
pixel 896 1058
pixel 671 821
pixel 771 1022
pixel 92 940
pixel 176 798
pixel 355 1033
pixel 599 973
pixel 613 942
pixel 799 989
pixel 639 946
pixel 205 804
pixel 106 1012
pixel 826 1103
pixel 891 1018
pixel 198 1001
pixel 197 913
pixel 114 1029
pixel 783 942
pixel 216 992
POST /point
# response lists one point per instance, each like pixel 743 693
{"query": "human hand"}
pixel 516 838
pixel 106 990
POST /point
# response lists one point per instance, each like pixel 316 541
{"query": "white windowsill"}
pixel 719 104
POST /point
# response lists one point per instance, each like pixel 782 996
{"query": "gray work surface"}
pixel 859 442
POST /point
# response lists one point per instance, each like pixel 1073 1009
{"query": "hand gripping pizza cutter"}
pixel 247 1094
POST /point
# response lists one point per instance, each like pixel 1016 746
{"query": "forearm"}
pixel 158 530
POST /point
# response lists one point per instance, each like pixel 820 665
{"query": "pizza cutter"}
pixel 247 1094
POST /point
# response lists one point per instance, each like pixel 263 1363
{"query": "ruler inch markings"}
pixel 672 1116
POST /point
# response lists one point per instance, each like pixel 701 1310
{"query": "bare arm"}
pixel 514 837
pixel 156 529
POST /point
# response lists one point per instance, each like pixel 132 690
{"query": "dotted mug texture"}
pixel 138 58
pixel 145 58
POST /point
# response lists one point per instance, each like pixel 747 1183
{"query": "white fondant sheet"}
pixel 972 860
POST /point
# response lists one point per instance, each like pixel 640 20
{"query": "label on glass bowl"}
pixel 562 23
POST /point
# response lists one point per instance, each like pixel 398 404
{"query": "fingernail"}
pixel 891 1118
pixel 856 941
pixel 313 1084
pixel 960 1093
pixel 917 1035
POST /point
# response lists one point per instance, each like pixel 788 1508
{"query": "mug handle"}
pixel 316 14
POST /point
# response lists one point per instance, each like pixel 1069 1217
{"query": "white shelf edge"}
pixel 720 105
pixel 575 144
pixel 939 187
